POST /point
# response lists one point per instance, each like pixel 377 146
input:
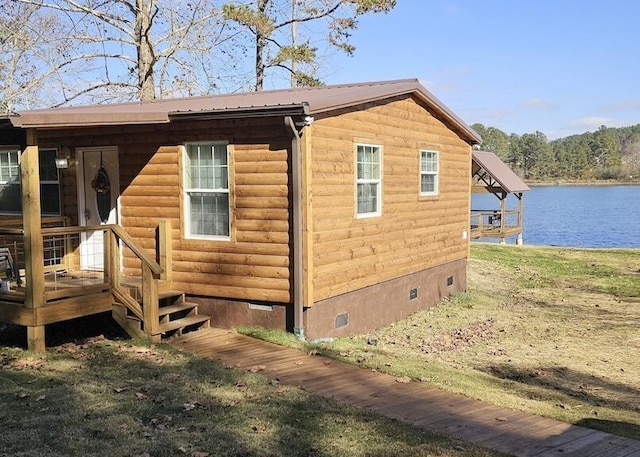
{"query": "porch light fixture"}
pixel 62 158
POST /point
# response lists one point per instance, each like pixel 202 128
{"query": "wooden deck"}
pixel 494 232
pixel 496 428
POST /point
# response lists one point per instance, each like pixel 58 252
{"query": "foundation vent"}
pixel 450 281
pixel 260 307
pixel 342 320
pixel 413 293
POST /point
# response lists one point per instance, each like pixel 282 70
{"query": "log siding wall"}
pixel 414 232
pixel 254 264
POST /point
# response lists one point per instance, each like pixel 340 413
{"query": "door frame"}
pixel 81 180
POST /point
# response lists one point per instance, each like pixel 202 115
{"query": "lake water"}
pixel 576 216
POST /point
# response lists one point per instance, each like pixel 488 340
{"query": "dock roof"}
pixel 500 172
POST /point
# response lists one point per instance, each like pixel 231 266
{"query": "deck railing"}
pixel 495 223
pixel 12 251
pixel 83 261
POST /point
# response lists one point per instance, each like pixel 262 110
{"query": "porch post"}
pixel 33 244
pixel 520 240
pixel 503 216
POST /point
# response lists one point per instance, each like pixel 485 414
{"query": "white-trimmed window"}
pixel 10 194
pixel 368 180
pixel 429 172
pixel 206 172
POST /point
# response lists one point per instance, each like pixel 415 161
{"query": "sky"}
pixel 561 67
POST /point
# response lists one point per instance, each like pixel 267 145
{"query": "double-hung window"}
pixel 429 173
pixel 10 194
pixel 10 199
pixel 206 171
pixel 368 180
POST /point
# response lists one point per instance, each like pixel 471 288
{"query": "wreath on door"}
pixel 101 182
pixel 102 186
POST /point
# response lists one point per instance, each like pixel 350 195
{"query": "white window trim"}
pixel 57 183
pixel 186 191
pixel 377 181
pixel 436 173
pixel 19 182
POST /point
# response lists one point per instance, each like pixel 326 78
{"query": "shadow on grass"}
pixel 109 398
pixel 616 427
pixel 66 331
pixel 584 388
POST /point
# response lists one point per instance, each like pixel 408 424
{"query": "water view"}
pixel 577 216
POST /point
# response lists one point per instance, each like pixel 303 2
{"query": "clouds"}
pixel 594 123
pixel 536 103
pixel 624 105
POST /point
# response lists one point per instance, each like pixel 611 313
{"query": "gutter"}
pixel 251 112
pixel 298 246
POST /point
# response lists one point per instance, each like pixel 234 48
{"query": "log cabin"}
pixel 325 211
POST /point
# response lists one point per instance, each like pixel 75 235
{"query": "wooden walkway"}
pixel 501 429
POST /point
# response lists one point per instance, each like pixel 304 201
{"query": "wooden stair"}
pixel 176 315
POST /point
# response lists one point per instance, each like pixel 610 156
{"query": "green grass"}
pixel 551 331
pixel 110 398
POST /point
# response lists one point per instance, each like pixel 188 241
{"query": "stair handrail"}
pixel 155 267
pixel 151 272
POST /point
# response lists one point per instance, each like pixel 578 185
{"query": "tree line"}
pixel 61 52
pixel 607 154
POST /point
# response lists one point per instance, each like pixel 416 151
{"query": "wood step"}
pixel 176 308
pixel 183 322
pixel 170 293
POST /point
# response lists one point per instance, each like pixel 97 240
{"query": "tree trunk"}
pixel 259 63
pixel 146 56
pixel 260 46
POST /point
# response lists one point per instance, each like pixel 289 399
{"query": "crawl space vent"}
pixel 260 307
pixel 342 320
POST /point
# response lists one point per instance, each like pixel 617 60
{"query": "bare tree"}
pixel 29 42
pixel 139 49
pixel 273 24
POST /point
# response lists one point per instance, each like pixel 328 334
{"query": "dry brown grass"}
pixel 550 331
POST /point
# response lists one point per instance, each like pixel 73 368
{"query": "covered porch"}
pixel 53 271
pixel 492 175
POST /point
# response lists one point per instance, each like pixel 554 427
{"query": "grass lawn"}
pixel 108 397
pixel 550 331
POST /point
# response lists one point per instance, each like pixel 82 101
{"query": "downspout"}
pixel 298 246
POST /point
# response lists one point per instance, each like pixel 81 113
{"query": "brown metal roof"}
pixel 306 101
pixel 499 171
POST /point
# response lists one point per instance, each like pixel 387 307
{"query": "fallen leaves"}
pixel 161 422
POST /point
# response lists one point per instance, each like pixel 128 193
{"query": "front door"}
pixel 98 192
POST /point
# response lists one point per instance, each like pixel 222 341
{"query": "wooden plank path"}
pixel 502 429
